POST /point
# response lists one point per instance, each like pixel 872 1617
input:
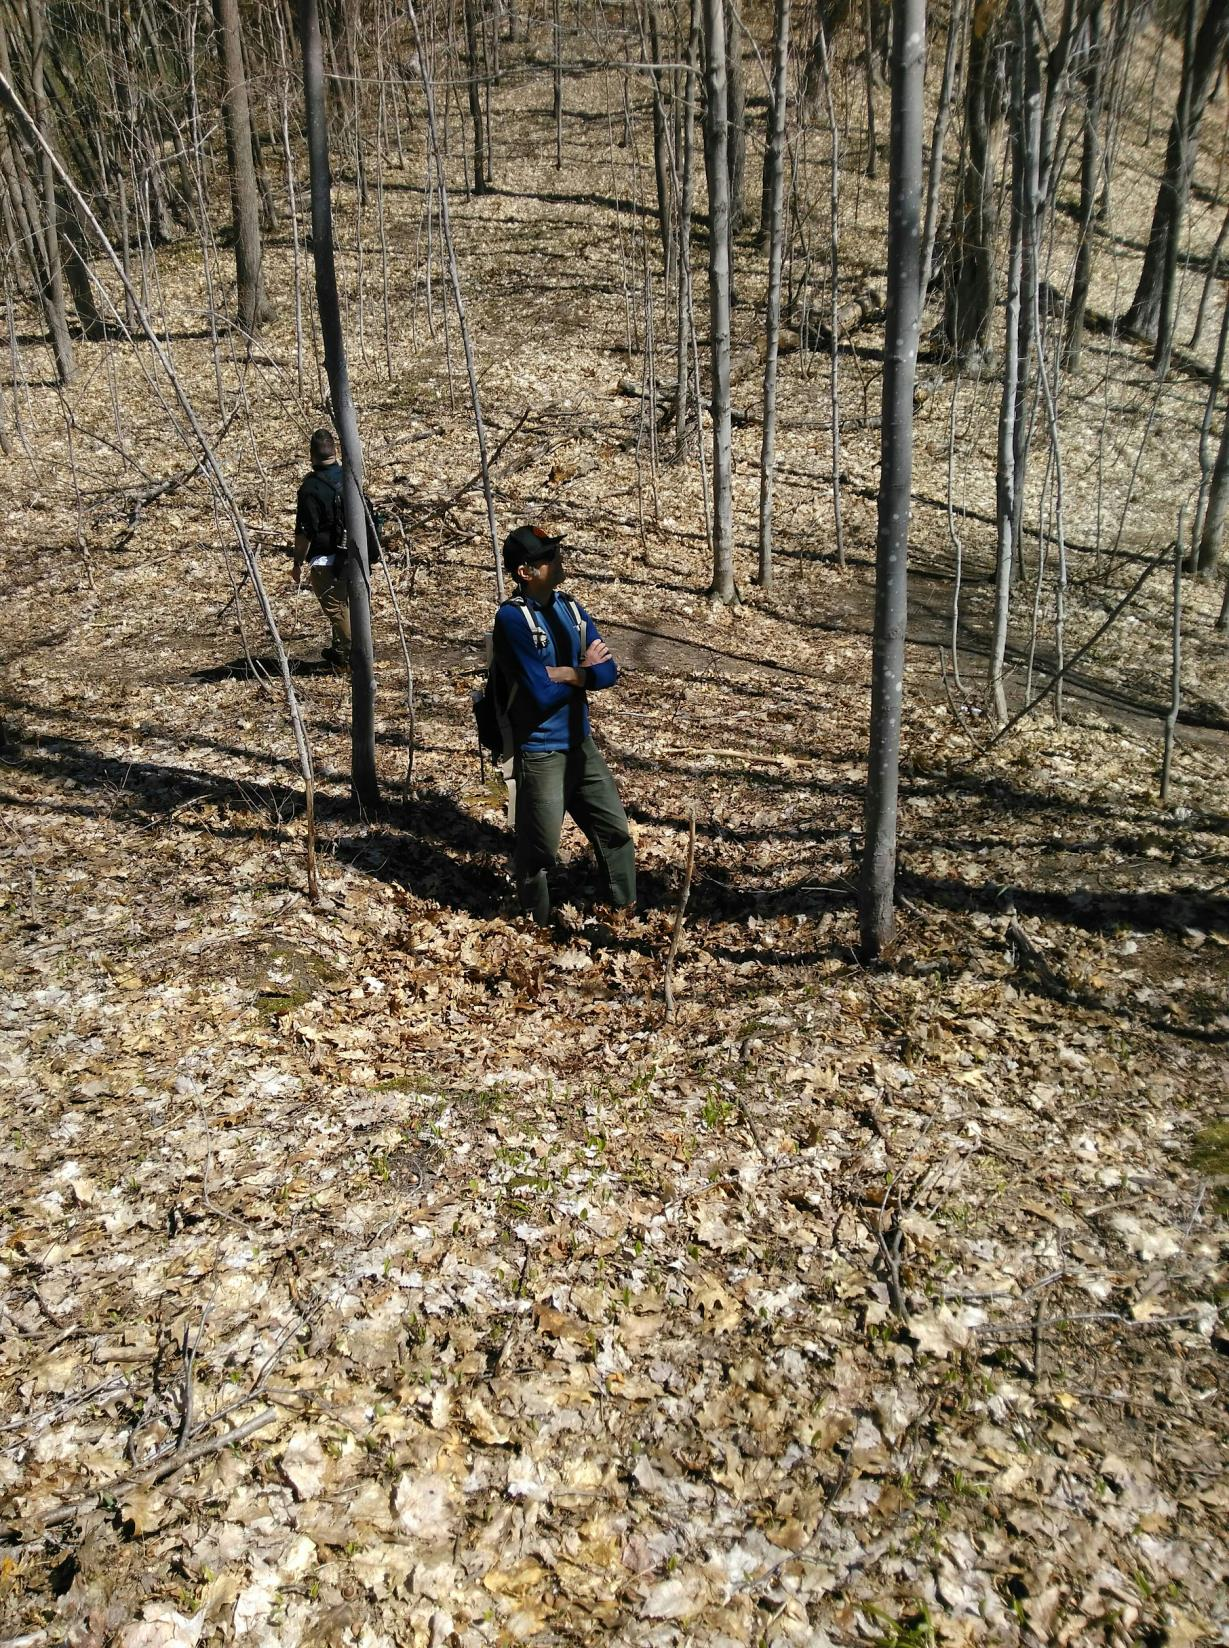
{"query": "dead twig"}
pixel 164 1467
pixel 1025 948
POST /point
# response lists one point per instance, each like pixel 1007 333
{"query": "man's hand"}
pixel 597 652
pixel 565 675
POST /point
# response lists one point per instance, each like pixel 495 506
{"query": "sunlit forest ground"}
pixel 385 1271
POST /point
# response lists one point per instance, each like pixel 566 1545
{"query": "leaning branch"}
pixel 1082 652
pixel 209 460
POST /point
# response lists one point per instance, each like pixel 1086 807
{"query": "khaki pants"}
pixel 331 589
pixel 578 781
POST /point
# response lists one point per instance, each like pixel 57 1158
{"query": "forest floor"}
pixel 387 1271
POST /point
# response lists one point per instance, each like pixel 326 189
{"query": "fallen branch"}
pixel 729 755
pixel 664 399
pixel 166 1466
pixel 862 310
pixel 1025 947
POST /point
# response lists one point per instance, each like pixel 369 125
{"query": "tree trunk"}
pixel 362 670
pixel 878 878
pixel 1005 479
pixel 80 282
pixel 1218 508
pixel 253 308
pixel 1199 74
pixel 1026 200
pixel 661 149
pixel 772 323
pixel 970 277
pixel 454 276
pixel 868 50
pixel 683 262
pixel 475 101
pixel 716 165
pixel 955 29
pixel 1090 182
pixel 53 299
pixel 736 121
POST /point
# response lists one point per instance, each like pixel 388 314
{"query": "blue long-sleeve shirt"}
pixel 545 714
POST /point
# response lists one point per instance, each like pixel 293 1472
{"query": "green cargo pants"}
pixel 577 782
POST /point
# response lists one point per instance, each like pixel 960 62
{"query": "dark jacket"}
pixel 320 516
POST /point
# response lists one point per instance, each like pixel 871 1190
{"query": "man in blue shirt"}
pixel 548 648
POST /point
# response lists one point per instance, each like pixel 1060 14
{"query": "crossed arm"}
pixel 597 652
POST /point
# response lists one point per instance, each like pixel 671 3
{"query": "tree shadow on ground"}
pixel 265 667
pixel 1097 910
pixel 434 848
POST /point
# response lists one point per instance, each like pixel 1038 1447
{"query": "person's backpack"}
pixel 493 699
pixel 334 512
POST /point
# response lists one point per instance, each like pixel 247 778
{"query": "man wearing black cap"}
pixel 548 647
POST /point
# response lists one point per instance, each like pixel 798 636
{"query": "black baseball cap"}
pixel 528 545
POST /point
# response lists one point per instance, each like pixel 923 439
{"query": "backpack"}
pixel 493 699
pixel 334 511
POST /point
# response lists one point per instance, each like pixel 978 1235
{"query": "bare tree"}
pixel 878 879
pixel 736 120
pixel 1150 314
pixel 772 319
pixel 1092 74
pixel 254 308
pixel 481 175
pixel 454 275
pixel 969 290
pixel 196 438
pixel 1212 533
pixel 1007 502
pixel 363 777
pixel 951 54
pixel 46 225
pixel 716 165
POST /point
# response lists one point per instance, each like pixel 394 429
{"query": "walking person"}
pixel 320 540
pixel 549 650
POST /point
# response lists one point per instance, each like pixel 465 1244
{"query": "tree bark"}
pixel 772 322
pixel 1199 73
pixel 53 296
pixel 475 102
pixel 736 122
pixel 1005 479
pixel 970 277
pixel 955 29
pixel 683 263
pixel 1092 74
pixel 716 164
pixel 661 148
pixel 253 306
pixel 1027 194
pixel 362 669
pixel 878 878
pixel 1213 532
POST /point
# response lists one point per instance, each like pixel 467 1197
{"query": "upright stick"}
pixel 1175 675
pixel 877 916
